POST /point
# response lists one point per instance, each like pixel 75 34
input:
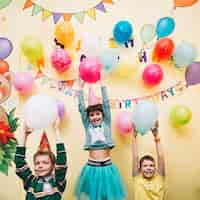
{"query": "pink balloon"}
pixel 90 70
pixel 152 74
pixel 23 82
pixel 60 60
pixel 124 123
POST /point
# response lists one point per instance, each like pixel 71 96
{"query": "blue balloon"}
pixel 184 54
pixel 145 116
pixel 109 59
pixel 165 27
pixel 122 31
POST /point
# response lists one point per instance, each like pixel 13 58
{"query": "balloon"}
pixel 5 89
pixel 61 109
pixel 32 49
pixel 64 33
pixel 192 74
pixel 184 3
pixel 4 67
pixel 147 33
pixel 163 49
pixel 6 47
pixel 180 115
pixel 109 59
pixel 184 54
pixel 90 70
pixel 122 31
pixel 124 122
pixel 4 3
pixel 39 111
pixel 145 115
pixel 23 82
pixel 90 45
pixel 165 26
pixel 152 74
pixel 60 60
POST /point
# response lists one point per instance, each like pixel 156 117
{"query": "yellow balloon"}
pixel 64 33
pixel 124 70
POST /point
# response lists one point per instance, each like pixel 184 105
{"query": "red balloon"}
pixel 4 67
pixel 163 49
pixel 90 70
pixel 152 74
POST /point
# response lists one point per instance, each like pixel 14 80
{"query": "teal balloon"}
pixel 165 27
pixel 184 54
pixel 4 3
pixel 147 33
pixel 109 59
pixel 145 116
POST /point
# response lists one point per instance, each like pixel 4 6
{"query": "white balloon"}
pixel 90 45
pixel 39 111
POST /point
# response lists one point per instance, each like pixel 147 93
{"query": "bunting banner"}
pixel 67 87
pixel 67 9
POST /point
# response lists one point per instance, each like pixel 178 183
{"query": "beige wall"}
pixel 181 145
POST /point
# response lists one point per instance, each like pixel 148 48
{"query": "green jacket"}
pixel 42 188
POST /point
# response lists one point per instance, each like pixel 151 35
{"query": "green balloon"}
pixel 180 115
pixel 32 48
pixel 147 33
pixel 4 3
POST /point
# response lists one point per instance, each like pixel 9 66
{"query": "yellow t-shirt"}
pixel 153 189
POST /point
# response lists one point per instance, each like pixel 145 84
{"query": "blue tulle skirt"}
pixel 100 183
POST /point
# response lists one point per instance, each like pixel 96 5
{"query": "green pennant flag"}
pixel 36 9
pixel 80 17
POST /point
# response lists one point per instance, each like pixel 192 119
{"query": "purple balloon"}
pixel 192 74
pixel 6 47
pixel 61 109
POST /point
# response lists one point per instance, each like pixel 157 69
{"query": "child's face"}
pixel 148 169
pixel 43 165
pixel 96 117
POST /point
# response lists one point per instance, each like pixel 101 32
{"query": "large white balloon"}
pixel 39 111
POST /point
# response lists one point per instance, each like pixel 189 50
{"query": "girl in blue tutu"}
pixel 99 179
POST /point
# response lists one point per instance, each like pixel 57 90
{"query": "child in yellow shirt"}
pixel 149 181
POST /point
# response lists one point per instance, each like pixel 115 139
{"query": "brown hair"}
pixel 146 157
pixel 50 154
pixel 97 107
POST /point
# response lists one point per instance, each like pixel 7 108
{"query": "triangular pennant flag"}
pixel 46 14
pixel 36 9
pixel 28 4
pixel 56 17
pixel 108 1
pixel 100 7
pixel 80 16
pixel 67 17
pixel 92 13
pixel 44 144
pixel 70 83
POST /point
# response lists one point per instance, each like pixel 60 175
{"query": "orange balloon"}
pixel 184 3
pixel 4 67
pixel 64 33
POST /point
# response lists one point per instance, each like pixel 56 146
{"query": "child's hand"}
pixel 155 130
pixel 27 130
pixel 56 124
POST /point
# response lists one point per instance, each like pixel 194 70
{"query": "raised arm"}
pixel 135 155
pixel 22 168
pixel 105 103
pixel 61 159
pixel 159 151
pixel 81 104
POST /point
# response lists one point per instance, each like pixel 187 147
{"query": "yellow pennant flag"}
pixel 92 13
pixel 46 14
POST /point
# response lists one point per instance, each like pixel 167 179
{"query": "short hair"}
pixel 48 153
pixel 93 108
pixel 146 157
